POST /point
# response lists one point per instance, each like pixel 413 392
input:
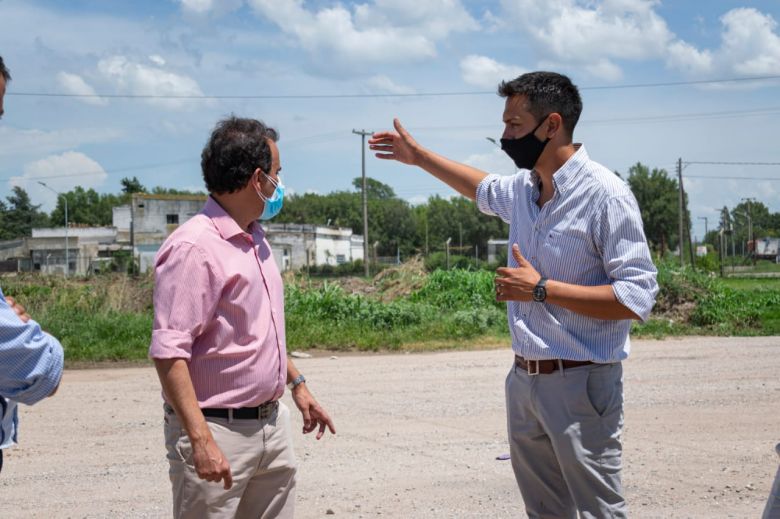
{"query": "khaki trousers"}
pixel 262 461
pixel 564 436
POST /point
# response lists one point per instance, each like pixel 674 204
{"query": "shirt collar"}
pixel 563 179
pixel 226 225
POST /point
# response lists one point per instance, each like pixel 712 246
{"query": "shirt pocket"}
pixel 568 257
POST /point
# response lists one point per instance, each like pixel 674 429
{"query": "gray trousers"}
pixel 564 435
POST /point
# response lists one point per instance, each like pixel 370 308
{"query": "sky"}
pixel 317 70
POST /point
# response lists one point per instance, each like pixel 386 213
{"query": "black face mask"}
pixel 526 150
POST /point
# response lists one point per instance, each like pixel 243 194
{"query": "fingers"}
pixel 308 426
pixel 227 477
pixel 17 308
pixel 321 432
pixel 518 255
pixel 400 129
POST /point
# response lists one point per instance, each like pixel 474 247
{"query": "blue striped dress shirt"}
pixel 30 367
pixel 590 233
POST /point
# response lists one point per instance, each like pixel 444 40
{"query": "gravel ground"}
pixel 418 436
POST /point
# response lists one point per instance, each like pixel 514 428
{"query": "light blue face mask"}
pixel 273 204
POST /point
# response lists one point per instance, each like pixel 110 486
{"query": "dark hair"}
pixel 547 92
pixel 4 71
pixel 237 147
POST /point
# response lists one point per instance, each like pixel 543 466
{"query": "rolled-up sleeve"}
pixel 626 256
pixel 31 360
pixel 496 195
pixel 186 292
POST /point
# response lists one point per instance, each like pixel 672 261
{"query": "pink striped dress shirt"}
pixel 219 304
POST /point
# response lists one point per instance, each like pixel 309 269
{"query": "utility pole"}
pixel 751 238
pixel 363 134
pixel 447 244
pixel 681 204
pixel 65 198
pixel 705 226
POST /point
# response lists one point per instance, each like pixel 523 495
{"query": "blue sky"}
pixel 298 48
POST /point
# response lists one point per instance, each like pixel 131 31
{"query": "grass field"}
pixel 109 318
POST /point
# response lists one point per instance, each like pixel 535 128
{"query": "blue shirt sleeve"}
pixel 31 360
pixel 496 196
pixel 621 238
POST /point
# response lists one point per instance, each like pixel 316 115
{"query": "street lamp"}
pixel 67 262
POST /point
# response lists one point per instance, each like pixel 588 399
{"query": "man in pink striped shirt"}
pixel 219 342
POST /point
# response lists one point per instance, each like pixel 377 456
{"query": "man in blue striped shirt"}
pixel 579 272
pixel 30 359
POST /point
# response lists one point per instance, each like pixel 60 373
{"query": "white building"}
pixel 143 226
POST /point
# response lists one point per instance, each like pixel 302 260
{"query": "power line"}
pixel 107 171
pixel 379 95
pixel 771 179
pixel 726 163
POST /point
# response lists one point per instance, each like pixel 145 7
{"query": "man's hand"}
pixel 397 145
pixel 18 309
pixel 516 284
pixel 210 463
pixel 313 414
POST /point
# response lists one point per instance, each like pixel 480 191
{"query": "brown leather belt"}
pixel 545 367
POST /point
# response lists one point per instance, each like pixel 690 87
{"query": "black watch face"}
pixel 540 294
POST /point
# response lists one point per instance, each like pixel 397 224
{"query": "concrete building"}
pixel 89 248
pixel 300 245
pixel 494 249
pixel 143 226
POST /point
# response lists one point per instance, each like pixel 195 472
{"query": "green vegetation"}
pixel 695 303
pixel 110 317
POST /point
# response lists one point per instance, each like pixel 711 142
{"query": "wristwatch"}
pixel 540 292
pixel 300 379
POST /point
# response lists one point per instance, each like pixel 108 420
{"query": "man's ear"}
pixel 554 124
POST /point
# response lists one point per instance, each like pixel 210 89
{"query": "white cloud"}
pixel 60 172
pixel 382 32
pixel 139 79
pixel 384 84
pixel 485 72
pixel 750 46
pixel 436 18
pixel 497 161
pixel 592 35
pixel 689 60
pixel 75 84
pixel 206 7
pixel 39 142
pixel 157 60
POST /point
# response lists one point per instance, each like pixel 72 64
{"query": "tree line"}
pixel 394 224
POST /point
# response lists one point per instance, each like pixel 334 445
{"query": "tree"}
pixel 374 189
pixel 658 197
pixel 132 185
pixel 18 218
pixel 86 207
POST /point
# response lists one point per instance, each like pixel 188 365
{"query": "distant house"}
pixel 142 226
pixel 767 248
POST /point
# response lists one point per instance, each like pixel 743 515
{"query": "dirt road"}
pixel 418 436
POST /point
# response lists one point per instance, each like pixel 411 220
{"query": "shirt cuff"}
pixel 170 344
pixel 50 376
pixel 483 194
pixel 637 299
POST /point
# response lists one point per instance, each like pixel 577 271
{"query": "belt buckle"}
pixel 532 372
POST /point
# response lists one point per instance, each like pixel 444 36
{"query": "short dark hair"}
pixel 4 72
pixel 237 147
pixel 547 92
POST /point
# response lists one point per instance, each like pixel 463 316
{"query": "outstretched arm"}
pixel 399 145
